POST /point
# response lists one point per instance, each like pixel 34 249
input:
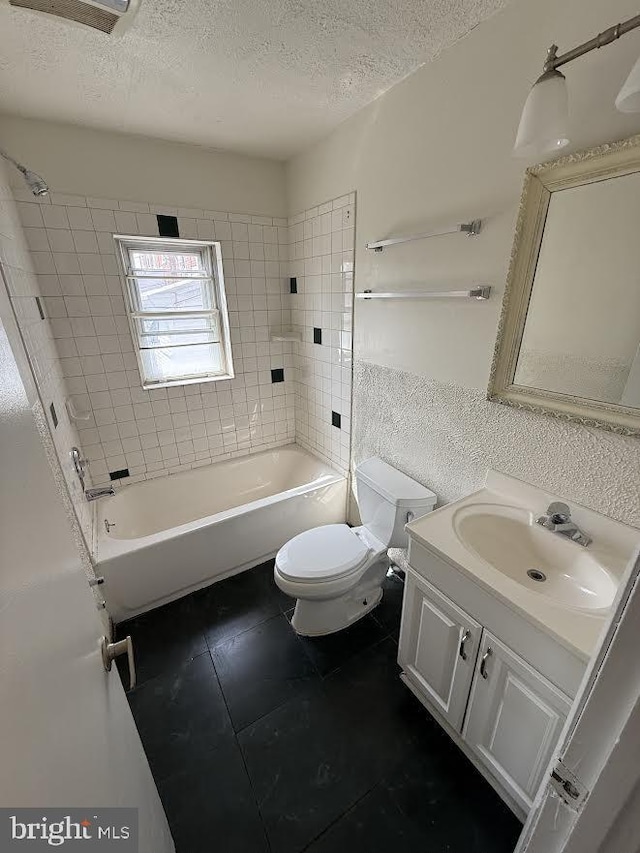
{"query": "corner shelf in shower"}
pixel 286 335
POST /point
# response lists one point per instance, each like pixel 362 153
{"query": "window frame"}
pixel 131 293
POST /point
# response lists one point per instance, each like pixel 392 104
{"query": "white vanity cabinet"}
pixel 513 719
pixel 438 648
pixel 503 713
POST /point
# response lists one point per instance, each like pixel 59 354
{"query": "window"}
pixel 174 290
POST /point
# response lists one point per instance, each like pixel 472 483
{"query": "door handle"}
pixel 462 651
pixel 110 651
pixel 483 662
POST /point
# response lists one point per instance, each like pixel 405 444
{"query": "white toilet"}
pixel 336 571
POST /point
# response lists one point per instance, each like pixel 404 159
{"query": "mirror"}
pixel 569 335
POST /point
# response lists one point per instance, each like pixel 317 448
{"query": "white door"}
pixel 514 719
pixel 438 648
pixel 68 737
pixel 598 754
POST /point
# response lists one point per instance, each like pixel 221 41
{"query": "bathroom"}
pixel 255 603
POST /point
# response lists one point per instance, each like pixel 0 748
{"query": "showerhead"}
pixel 36 184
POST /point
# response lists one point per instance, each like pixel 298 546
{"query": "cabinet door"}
pixel 438 648
pixel 514 719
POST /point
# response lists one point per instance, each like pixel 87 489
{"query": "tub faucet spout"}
pixel 101 492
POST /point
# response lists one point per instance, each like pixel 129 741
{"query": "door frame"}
pixel 599 742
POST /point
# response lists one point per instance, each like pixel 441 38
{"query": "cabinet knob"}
pixel 483 662
pixel 462 651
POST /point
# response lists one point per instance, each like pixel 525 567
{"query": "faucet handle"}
pixel 559 512
pixel 79 464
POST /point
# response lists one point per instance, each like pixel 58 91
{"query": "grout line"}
pixel 343 814
pixel 255 798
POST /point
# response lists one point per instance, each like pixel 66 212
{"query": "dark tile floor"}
pixel 260 740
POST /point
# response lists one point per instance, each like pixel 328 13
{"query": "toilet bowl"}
pixel 336 572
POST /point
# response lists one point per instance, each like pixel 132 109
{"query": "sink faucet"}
pixel 100 492
pixel 558 520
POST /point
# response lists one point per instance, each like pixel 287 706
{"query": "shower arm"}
pixel 11 160
pixel 35 182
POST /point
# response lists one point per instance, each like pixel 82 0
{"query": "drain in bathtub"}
pixel 536 575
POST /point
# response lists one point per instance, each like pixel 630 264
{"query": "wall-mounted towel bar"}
pixel 471 229
pixel 480 293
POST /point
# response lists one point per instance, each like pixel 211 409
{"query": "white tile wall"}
pixel 37 333
pixel 322 260
pixel 162 430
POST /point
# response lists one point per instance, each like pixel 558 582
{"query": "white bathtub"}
pixel 175 534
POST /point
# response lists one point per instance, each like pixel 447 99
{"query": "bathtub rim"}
pixel 107 548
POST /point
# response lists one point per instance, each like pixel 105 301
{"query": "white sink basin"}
pixel 509 539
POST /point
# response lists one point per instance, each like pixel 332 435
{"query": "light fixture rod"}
pixel 602 39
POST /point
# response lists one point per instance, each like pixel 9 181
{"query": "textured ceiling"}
pixel 264 77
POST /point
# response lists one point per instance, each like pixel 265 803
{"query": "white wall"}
pixel 106 182
pixel 163 430
pixel 99 164
pixel 17 276
pixel 321 251
pixel 437 149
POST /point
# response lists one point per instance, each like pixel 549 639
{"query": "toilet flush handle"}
pixel 410 517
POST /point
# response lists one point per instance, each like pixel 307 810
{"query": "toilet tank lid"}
pixel 393 485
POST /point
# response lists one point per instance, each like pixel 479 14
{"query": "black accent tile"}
pixel 39 307
pixel 334 650
pixel 317 335
pixel 389 611
pixel 261 669
pixel 238 603
pixel 313 758
pixel 164 638
pixel 210 806
pixel 293 285
pixel 54 415
pixel 118 475
pixel 168 226
pixel 277 375
pixel 181 714
pixel 336 420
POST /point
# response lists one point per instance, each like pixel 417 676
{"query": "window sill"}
pixel 174 382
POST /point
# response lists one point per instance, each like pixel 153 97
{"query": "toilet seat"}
pixel 322 554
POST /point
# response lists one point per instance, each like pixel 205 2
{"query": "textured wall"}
pixel 447 437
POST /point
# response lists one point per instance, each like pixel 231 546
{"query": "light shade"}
pixel 545 117
pixel 628 100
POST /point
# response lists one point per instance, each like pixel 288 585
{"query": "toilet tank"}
pixel 387 499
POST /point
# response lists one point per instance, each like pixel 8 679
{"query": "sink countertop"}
pixel 613 546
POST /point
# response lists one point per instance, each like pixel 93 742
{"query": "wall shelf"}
pixel 471 229
pixel 481 294
pixel 286 335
